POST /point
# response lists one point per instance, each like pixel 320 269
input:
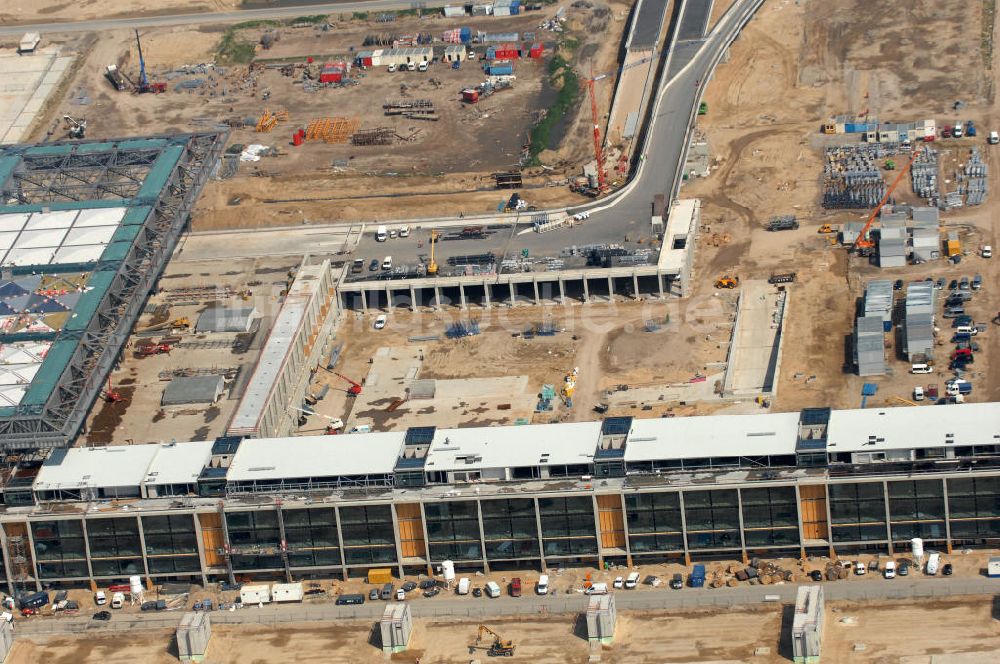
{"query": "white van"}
pixel 933 562
pixel 382 234
pixel 387 263
pixel 422 66
pixel 463 586
pixel 404 231
pixel 632 581
pixel 966 329
pixel 890 570
pixel 598 589
pixel 542 587
pixel 921 369
pixel 117 600
pixel 492 589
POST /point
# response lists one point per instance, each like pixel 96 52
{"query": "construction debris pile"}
pixel 413 109
pixel 756 573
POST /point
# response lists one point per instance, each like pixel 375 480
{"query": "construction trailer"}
pixel 807 625
pixel 193 635
pixel 406 56
pixel 396 627
pixel 601 619
pixel 29 42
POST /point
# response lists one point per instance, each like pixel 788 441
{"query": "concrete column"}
pixel 395 537
pixel 486 296
pixel 562 291
pixel 947 515
pixel 541 543
pixel 226 543
pixel 739 514
pixel 829 523
pixel 30 546
pixel 340 543
pixel 888 522
pixel 513 294
pixel 659 283
pixel 364 301
pixel 200 542
pixel 142 547
pixel 635 287
pixel 534 282
pixel 427 541
pixel 597 530
pixel 7 564
pixel 586 291
pixel 482 538
pixel 628 545
pixel 413 299
pixel 684 529
pixel 461 296
pixel 284 539
pixel 611 289
pixel 388 299
pixel 86 550
pixel 798 511
pixel 437 298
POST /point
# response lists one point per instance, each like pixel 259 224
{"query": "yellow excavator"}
pixel 432 267
pixel 728 282
pixel 498 648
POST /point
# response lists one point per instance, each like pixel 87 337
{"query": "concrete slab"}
pixel 755 353
pixel 26 82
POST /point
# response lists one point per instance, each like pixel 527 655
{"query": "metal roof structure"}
pixel 226 319
pixel 271 459
pixel 192 389
pixel 512 447
pixel 869 346
pixel 873 429
pixel 95 468
pixel 722 436
pixel 85 230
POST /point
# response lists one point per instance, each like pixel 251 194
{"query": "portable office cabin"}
pixel 454 53
pixel 454 12
pixel 29 42
pixel 255 594
pixel 287 592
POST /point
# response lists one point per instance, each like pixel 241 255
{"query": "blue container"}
pixel 887 325
pixel 491 52
pixel 697 578
pixel 466 35
pixel 505 69
pixel 515 10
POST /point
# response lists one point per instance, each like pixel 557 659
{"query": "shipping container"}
pixel 453 12
pixel 500 68
pixel 287 592
pixel 255 594
pixel 536 51
pixel 470 96
pixel 466 35
pixel 993 567
pixel 697 578
pixel 380 575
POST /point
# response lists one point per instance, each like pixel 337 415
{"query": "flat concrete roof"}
pixel 717 436
pixel 315 456
pixel 82 467
pixel 875 429
pixel 680 219
pixel 176 463
pixel 513 446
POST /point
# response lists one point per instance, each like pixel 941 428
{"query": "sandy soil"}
pixel 819 62
pixel 45 11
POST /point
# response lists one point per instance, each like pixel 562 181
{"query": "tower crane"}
pixel 144 84
pixel 862 244
pixel 602 184
pixel 355 388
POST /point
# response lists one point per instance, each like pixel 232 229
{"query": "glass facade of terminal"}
pixel 526 531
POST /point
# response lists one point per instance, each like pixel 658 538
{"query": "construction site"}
pixel 374 317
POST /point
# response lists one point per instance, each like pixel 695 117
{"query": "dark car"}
pixel 953 285
pixel 102 615
pixel 148 606
pixel 898 285
pixel 904 569
pixel 373 594
pixel 940 283
pixel 314 592
pixel 427 584
pixel 374 265
pixel 477 592
pixel 676 582
pixel 433 592
pixel 408 586
pixel 350 599
pixel 816 575
pixel 947 570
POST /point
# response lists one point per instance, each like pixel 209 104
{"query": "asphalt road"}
pixel 899 589
pixel 208 18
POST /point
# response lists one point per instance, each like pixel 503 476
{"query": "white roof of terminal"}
pixel 513 446
pixel 79 467
pixel 315 456
pixel 717 436
pixel 176 463
pixel 63 236
pixel 906 428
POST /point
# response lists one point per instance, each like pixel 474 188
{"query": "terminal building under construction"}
pixel 621 490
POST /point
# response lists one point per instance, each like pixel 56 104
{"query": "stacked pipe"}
pixel 975 179
pixel 852 178
pixel 924 174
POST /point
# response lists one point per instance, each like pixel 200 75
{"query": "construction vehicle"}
pixel 703 108
pixel 498 648
pixel 890 165
pixel 111 395
pixel 175 324
pixel 77 128
pixel 569 387
pixel 355 388
pixel 728 282
pixel 117 77
pixel 432 266
pixel 334 427
pixel 783 223
pixel 862 244
pixel 144 85
pixel 903 401
pixel 602 185
pixel 149 350
pixel 826 229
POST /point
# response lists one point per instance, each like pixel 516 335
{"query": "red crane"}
pixel 862 242
pixel 355 388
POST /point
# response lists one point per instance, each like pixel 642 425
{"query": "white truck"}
pixel 382 234
pixel 118 600
pixel 463 586
pixel 632 581
pixel 492 589
pixel 287 592
pixel 933 563
pixel 255 595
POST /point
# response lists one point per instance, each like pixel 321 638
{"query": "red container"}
pixel 297 138
pixel 470 96
pixel 309 60
pixel 536 51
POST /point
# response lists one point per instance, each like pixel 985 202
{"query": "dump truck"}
pixel 113 74
pixel 697 578
pixel 954 245
pixel 785 223
pixel 728 282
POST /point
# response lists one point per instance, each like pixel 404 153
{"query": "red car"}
pixel 515 587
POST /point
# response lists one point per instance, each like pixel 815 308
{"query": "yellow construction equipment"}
pixel 728 281
pixel 432 267
pixel 827 228
pixel 269 120
pixel 498 648
pixel 175 324
pixel 830 128
pixel 902 400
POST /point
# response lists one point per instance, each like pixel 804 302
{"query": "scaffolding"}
pixel 336 130
pixel 269 120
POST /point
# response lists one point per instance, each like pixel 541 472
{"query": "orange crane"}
pixel 602 184
pixel 355 388
pixel 862 243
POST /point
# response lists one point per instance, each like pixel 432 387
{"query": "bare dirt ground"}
pixel 45 11
pixel 819 61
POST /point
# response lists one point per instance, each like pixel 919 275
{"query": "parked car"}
pixel 350 599
pixel 100 599
pixel 947 570
pixel 964 284
pixel 939 284
pixel 515 587
pixel 897 285
pixel 380 321
pixel 408 586
pixel 860 569
pixel 953 285
pixel 358 265
pixel 816 575
pixel 904 568
pixel 373 266
pixel 977 282
pixel 890 570
pixel 477 592
pixel 373 594
pixel 918 393
pixel 676 582
pixel 619 582
pixel 426 584
pixel 400 595
pixel 433 592
pixel 102 615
